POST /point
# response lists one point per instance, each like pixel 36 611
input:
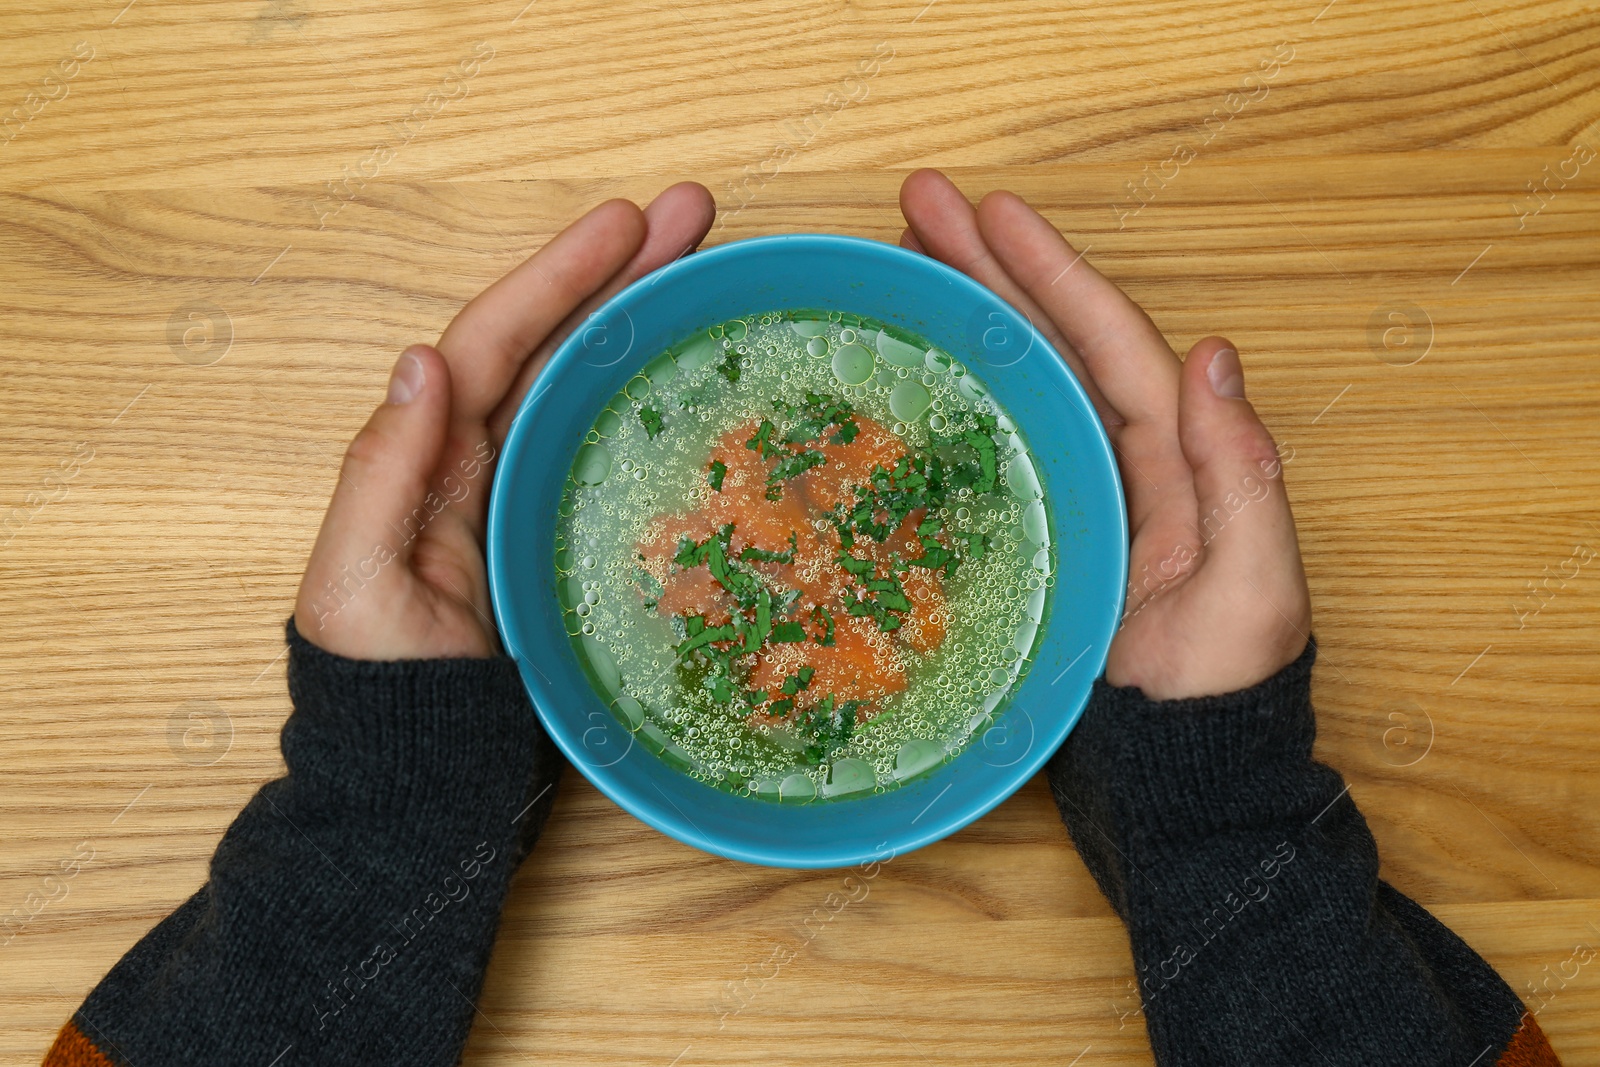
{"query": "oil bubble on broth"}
pixel 804 555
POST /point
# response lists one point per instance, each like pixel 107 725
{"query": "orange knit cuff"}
pixel 1529 1047
pixel 72 1049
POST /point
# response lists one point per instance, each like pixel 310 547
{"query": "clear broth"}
pixel 642 473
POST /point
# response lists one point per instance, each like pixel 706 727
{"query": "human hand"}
pixel 1217 596
pixel 397 571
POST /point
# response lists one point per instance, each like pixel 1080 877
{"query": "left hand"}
pixel 398 571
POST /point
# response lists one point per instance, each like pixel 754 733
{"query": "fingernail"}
pixel 405 381
pixel 1226 375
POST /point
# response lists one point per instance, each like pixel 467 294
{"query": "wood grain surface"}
pixel 220 221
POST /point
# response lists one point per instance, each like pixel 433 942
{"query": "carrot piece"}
pixel 862 664
pixel 820 580
pixel 695 592
pixel 849 465
pixel 684 592
pixel 758 522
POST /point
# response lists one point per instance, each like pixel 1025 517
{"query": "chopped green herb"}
pixel 986 460
pixel 743 585
pixel 977 543
pixel 860 568
pixel 763 619
pixel 751 554
pixel 936 557
pixel 820 612
pixel 913 483
pixel 979 477
pixel 791 466
pixel 751 636
pixel 762 441
pixel 706 636
pixel 885 596
pixel 801 433
pixel 785 633
pixel 841 523
pixel 692 554
pixel 817 414
pixel 828 726
pixel 798 681
pixel 650 419
pixel 718 471
pixel 731 366
pixel 893 600
pixel 876 610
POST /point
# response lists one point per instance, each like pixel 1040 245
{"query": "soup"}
pixel 803 554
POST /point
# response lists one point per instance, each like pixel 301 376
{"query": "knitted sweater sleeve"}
pixel 350 908
pixel 1248 881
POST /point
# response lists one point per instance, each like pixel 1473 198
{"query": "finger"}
pixel 1122 348
pixel 382 500
pixel 945 227
pixel 909 240
pixel 1134 367
pixel 1245 524
pixel 676 222
pixel 490 339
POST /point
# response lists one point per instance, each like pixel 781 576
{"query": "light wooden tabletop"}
pixel 220 222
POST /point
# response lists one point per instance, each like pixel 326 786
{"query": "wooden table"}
pixel 220 222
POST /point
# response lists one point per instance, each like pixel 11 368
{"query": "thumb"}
pixel 1245 522
pixel 381 503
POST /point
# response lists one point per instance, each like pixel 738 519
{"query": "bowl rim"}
pixel 639 804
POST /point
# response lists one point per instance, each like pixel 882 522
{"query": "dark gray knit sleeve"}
pixel 351 907
pixel 1249 883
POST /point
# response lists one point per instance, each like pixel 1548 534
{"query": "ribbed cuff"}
pixel 1166 768
pixel 416 738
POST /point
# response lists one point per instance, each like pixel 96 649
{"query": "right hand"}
pixel 1217 596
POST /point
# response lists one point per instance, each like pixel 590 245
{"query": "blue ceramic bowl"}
pixel 952 312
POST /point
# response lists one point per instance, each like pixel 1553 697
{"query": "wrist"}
pixel 1189 766
pixel 1249 659
pixel 405 736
